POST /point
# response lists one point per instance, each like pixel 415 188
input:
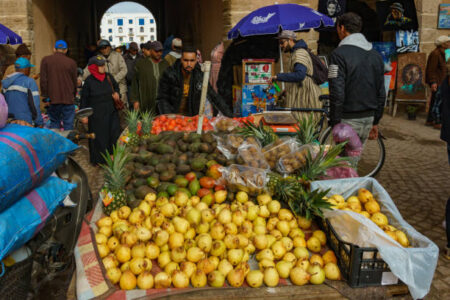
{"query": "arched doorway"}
pixel 127 22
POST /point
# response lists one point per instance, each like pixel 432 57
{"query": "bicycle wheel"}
pixel 372 157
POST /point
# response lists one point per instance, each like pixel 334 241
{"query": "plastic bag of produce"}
pixel 3 111
pixel 243 178
pixel 27 157
pixel 22 220
pixel 295 160
pixel 224 124
pixel 275 151
pixel 414 265
pixel 252 156
pixel 344 132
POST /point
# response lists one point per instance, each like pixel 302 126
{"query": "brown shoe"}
pixel 429 123
pixel 437 126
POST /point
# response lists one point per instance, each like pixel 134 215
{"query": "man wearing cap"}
pixel 301 90
pixel 22 94
pixel 131 58
pixel 59 84
pixel 175 54
pixel 21 51
pixel 148 70
pixel 435 73
pixel 116 66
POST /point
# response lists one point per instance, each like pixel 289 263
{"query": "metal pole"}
pixel 281 65
pixel 206 69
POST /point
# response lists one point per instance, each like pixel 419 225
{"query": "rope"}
pixel 3 270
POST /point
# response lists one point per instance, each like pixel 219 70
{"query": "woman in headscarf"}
pixel 99 91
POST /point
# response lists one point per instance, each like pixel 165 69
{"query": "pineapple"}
pixel 132 121
pixel 114 168
pixel 147 120
pixel 264 134
pixel 306 129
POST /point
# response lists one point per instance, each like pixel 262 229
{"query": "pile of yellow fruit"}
pixel 365 204
pixel 193 243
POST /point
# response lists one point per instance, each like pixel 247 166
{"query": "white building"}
pixel 124 28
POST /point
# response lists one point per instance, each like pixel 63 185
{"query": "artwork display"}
pixel 255 99
pixel 407 41
pixel 411 76
pixel 332 8
pixel 388 52
pixel 257 72
pixel 397 15
pixel 444 16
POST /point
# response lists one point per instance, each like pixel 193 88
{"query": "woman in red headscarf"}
pixel 99 91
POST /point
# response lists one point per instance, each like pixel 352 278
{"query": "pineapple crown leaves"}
pixel 264 134
pixel 306 129
pixel 317 166
pixel 132 119
pixel 114 167
pixel 310 204
pixel 147 120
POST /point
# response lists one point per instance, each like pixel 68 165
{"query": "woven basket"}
pixel 16 282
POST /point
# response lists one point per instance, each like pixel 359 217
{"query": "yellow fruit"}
pixel 271 277
pixel 313 244
pixel 329 256
pixel 242 197
pixel 101 238
pixel 316 259
pixel 128 281
pixel 113 274
pixel 379 218
pixel 103 250
pixel 299 242
pixel 299 276
pixel 402 238
pixel 391 234
pixel 255 278
pixel 332 271
pixel 105 230
pixel 364 195
pixel 355 206
pixel 365 214
pixel 263 199
pixel 353 199
pixel 105 221
pixel 150 197
pixel 145 280
pixel 372 207
pixel 124 212
pixel 319 234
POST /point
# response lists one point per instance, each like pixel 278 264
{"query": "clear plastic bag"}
pixel 415 265
pixel 234 141
pixel 275 151
pixel 224 148
pixel 242 178
pixel 224 124
pixel 295 160
pixel 252 156
pixel 344 132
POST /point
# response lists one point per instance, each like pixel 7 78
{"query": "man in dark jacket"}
pixel 59 83
pixel 131 58
pixel 181 85
pixel 435 74
pixel 356 79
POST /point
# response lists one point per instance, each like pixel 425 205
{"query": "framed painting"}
pixel 411 76
pixel 444 16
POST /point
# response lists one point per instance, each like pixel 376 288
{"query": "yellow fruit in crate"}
pixel 353 199
pixel 283 268
pixel 338 201
pixel 299 242
pixel 271 277
pixel 105 221
pixel 274 206
pixel 137 216
pixel 105 230
pixel 198 279
pixel 296 232
pixel 224 267
pixel 113 274
pixel 379 218
pixel 170 267
pixel 138 265
pixel 143 234
pixel 125 266
pixel 372 207
pixel 164 259
pixel 316 259
pixel 317 274
pixel 114 216
pixel 402 238
pixel 299 276
pixel 321 236
pixel 150 197
pixel 364 195
pixel 255 278
pixel 220 196
pixel 100 238
pixel 110 261
pixel 242 197
pixel 124 212
pixel 287 243
pixel 303 264
pixel 162 280
pixel 303 222
pixel 355 206
pixel 313 244
pixel 217 279
pixel 152 250
pixel 128 281
pixel 145 281
pixel 391 234
pixel 285 215
pixel 332 271
pixel 138 250
pixel 263 199
pixel 302 253
pixel 145 207
pixel 103 250
pixel 365 214
pixel 290 257
pixel 329 256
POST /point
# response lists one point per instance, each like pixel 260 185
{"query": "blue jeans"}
pixel 64 113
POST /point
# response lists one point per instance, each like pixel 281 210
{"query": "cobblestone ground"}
pixel 416 174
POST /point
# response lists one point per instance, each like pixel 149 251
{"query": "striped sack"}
pixel 28 156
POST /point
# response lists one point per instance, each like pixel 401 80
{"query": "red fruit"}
pixel 190 176
pixel 219 187
pixel 207 182
pixel 214 171
pixel 203 192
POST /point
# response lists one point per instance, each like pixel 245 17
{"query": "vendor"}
pixel 301 90
pixel 180 88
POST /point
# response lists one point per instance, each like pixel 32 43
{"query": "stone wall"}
pixel 427 13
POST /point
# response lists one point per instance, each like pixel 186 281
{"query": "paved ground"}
pixel 416 174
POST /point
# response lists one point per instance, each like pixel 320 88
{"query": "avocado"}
pixel 195 147
pixel 184 147
pixel 162 186
pixel 137 182
pixel 171 166
pixel 167 175
pixel 161 168
pixel 207 137
pixel 152 182
pixel 145 171
pixel 183 169
pixel 165 159
pixel 205 148
pixel 164 149
pixel 194 136
pixel 181 182
pixel 143 156
pixel 142 191
pixel 221 159
pixel 154 138
pixel 198 164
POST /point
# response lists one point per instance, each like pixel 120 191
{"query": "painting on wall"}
pixel 411 76
pixel 444 16
pixel 397 15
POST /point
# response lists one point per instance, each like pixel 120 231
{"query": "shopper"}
pixel 356 81
pixel 301 90
pixel 21 51
pixel 181 85
pixel 149 69
pixel 116 66
pixel 435 74
pixel 59 83
pixel 131 58
pixel 98 92
pixel 22 94
pixel 175 52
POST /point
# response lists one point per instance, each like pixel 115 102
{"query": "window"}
pixel 131 38
pixel 141 29
pixel 152 29
pixel 141 21
pixel 109 22
pixel 142 38
pixel 109 30
pixel 130 21
pixel 121 39
pixel 152 21
pixel 110 38
pixel 152 37
pixel 120 30
pixel 130 30
pixel 119 22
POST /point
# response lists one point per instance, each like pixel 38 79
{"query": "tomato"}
pixel 203 192
pixel 207 182
pixel 190 176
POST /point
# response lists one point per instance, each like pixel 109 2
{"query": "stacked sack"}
pixel 28 192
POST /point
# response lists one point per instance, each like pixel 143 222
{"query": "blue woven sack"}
pixel 22 220
pixel 28 156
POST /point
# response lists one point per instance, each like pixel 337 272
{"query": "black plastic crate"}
pixel 360 267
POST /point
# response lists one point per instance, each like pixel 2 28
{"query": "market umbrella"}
pixel 271 19
pixel 7 36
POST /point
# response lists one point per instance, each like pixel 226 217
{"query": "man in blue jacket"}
pixel 22 94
